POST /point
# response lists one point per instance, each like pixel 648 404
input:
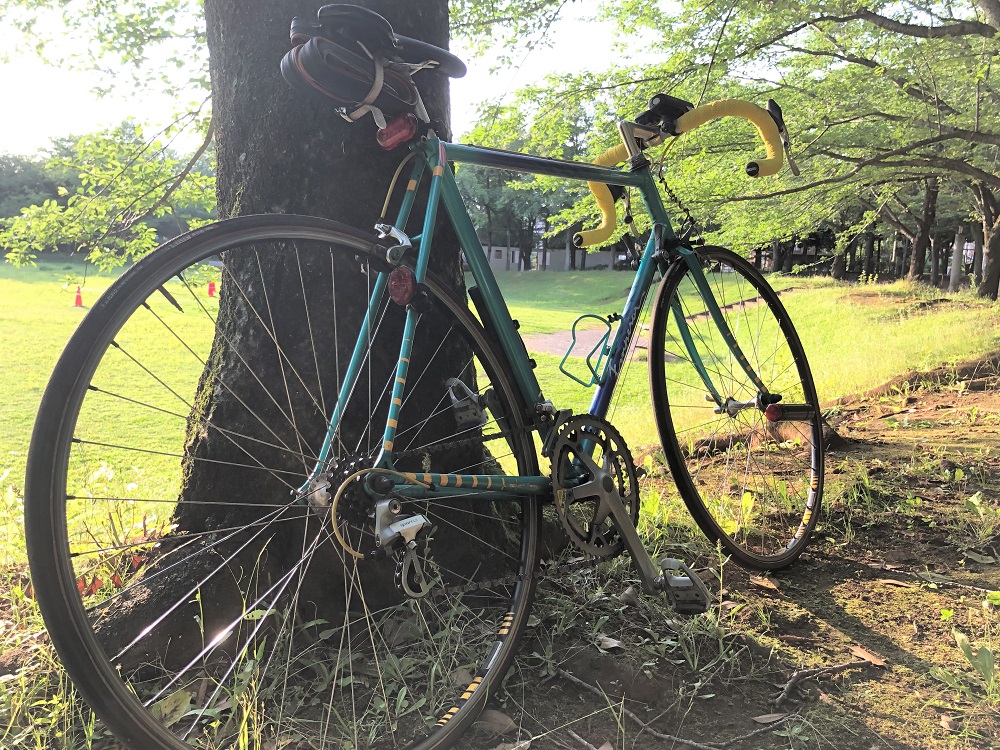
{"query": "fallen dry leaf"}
pixel 496 722
pixel 630 597
pixel 606 746
pixel 607 643
pixel 867 656
pixel 522 745
pixel 949 723
pixel 766 583
pixel 461 677
pixel 983 559
pixel 769 718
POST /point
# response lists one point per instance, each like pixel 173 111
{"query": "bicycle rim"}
pixel 194 599
pixel 751 483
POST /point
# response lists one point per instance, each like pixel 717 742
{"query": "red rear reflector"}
pixel 399 130
pixel 402 285
pixel 774 412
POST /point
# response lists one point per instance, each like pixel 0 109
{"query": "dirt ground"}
pixel 905 557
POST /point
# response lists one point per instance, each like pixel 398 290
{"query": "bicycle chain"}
pixel 465 442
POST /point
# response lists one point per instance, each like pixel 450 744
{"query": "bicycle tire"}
pixel 752 484
pixel 112 449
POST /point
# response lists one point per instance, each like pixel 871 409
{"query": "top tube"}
pixel 487 157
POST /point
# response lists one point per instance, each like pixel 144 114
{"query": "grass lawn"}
pixel 856 337
pixel 37 317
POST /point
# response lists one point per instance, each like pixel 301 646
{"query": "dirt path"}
pixel 907 551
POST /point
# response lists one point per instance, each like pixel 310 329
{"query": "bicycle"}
pixel 377 441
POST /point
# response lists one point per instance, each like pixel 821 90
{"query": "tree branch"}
pixel 886 213
pixel 962 28
pixel 907 87
pixel 209 134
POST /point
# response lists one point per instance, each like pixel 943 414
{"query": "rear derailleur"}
pixel 406 538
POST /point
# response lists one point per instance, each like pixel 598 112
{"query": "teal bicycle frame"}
pixel 661 250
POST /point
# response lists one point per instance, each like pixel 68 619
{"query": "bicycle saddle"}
pixel 339 22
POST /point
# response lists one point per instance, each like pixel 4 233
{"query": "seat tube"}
pixel 438 166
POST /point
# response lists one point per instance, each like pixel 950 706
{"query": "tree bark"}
pixel 897 252
pixel 923 236
pixel 957 258
pixel 991 265
pixel 977 258
pixel 839 268
pixel 788 262
pixel 777 256
pixel 869 257
pixel 935 263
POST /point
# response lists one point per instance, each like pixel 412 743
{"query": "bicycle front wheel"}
pixel 195 592
pixel 752 480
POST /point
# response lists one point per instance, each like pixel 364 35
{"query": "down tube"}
pixel 626 329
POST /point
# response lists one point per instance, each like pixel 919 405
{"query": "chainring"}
pixel 590 464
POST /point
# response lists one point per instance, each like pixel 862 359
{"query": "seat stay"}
pixel 358 356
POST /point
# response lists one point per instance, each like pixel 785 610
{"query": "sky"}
pixel 56 102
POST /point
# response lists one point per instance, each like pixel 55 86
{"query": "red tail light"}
pixel 774 412
pixel 399 130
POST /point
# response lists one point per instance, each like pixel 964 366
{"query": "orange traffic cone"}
pixel 78 302
pixel 211 289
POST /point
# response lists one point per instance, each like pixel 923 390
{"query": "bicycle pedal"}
pixel 684 588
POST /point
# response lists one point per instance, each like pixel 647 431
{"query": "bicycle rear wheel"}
pixel 752 483
pixel 195 595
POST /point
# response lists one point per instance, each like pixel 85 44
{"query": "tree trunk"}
pixel 923 237
pixel 508 245
pixel 788 262
pixel 896 258
pixel 957 256
pixel 280 153
pixel 777 256
pixel 839 267
pixel 977 258
pixel 991 264
pixel 869 257
pixel 935 263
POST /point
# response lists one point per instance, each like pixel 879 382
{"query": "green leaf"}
pixel 169 710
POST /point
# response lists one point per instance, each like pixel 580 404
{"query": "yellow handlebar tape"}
pixel 605 202
pixel 749 111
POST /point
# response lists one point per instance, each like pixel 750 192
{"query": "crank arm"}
pixel 649 572
pixel 682 586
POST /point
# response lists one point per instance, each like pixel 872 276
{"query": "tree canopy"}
pixel 882 100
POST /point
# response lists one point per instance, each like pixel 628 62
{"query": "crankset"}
pixel 596 493
pixel 592 468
